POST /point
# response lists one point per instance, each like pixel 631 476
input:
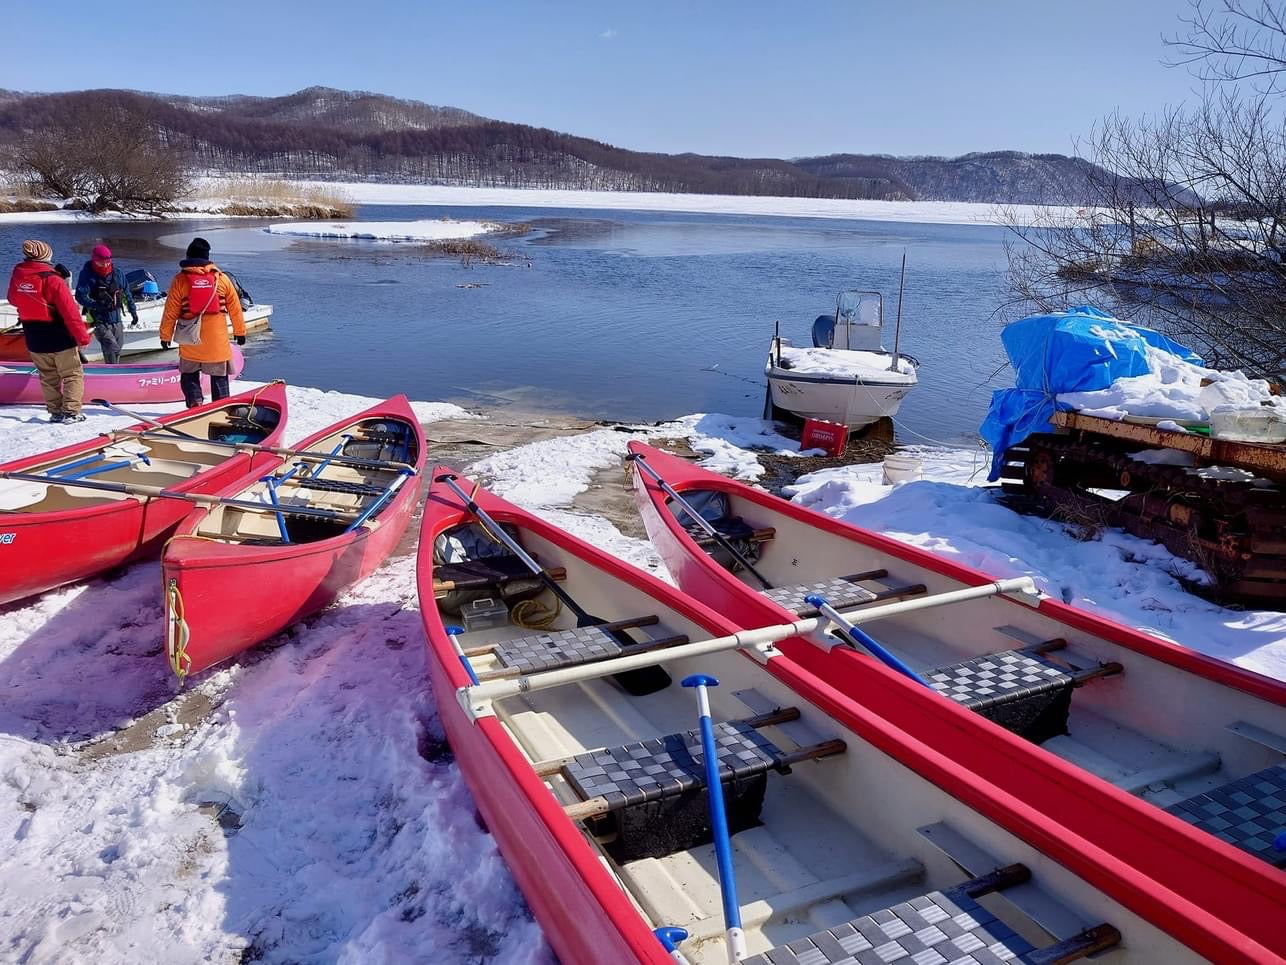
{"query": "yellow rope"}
pixel 534 615
pixel 176 633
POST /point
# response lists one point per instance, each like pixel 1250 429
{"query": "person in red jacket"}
pixel 52 328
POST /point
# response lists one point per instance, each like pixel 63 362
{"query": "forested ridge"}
pixel 330 134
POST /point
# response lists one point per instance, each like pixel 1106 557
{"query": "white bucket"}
pixel 898 468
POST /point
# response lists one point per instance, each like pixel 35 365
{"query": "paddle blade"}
pixel 636 683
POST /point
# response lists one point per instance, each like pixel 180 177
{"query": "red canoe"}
pixel 344 516
pixel 564 768
pixel 13 346
pixel 124 383
pixel 1103 695
pixel 55 532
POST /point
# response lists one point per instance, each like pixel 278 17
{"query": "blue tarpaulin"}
pixel 1079 350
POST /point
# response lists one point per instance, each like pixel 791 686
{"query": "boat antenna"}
pixel 897 331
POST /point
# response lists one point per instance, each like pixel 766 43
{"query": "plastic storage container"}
pixel 899 468
pixel 820 434
pixel 485 614
pixel 1262 424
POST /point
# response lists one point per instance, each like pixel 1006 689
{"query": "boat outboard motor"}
pixel 824 331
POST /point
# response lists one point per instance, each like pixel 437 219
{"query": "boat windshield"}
pixel 859 308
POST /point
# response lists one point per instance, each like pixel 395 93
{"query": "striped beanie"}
pixel 37 251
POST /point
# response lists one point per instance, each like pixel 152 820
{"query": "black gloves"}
pixel 241 339
pixel 164 344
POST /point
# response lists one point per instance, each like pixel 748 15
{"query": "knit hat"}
pixel 199 248
pixel 37 251
pixel 101 253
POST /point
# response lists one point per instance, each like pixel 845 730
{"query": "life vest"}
pixel 28 297
pixel 203 296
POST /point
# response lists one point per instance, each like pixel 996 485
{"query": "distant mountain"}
pixel 355 111
pixel 320 132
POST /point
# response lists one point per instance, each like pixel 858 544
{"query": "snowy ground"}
pixel 441 229
pixel 920 212
pixel 301 804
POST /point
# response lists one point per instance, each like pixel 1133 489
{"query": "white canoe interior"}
pixel 1142 724
pixel 848 832
pixel 156 457
pixel 343 490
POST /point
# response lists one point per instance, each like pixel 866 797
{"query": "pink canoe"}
pixel 124 383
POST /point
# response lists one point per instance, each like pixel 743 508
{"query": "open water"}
pixel 613 315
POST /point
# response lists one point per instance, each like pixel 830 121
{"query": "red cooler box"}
pixel 820 434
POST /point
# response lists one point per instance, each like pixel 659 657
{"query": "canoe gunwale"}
pixel 1221 869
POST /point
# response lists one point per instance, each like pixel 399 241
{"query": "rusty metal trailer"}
pixel 1219 503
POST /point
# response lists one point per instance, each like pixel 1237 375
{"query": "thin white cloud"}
pixel 611 33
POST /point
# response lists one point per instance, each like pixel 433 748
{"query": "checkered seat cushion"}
pixel 1250 813
pixel 935 929
pixel 667 766
pixel 655 790
pixel 1022 692
pixel 839 593
pixel 557 648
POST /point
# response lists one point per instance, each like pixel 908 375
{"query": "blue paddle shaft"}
pixel 860 638
pixel 453 634
pixel 718 813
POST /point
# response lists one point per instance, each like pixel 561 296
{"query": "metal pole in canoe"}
pixel 639 461
pixel 761 639
pixel 897 330
pixel 142 418
pixel 156 492
pixel 719 819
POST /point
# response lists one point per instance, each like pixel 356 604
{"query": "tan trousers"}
pixel 62 380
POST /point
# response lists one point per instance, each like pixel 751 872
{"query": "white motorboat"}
pixel 846 376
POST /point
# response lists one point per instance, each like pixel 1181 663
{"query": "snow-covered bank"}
pixel 921 212
pixel 436 230
pixel 301 805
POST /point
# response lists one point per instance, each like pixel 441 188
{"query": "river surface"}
pixel 612 315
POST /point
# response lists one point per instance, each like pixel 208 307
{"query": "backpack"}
pixel 29 300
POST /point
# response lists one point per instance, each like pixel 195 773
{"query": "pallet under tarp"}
pixel 1225 510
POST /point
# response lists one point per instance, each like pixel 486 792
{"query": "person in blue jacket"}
pixel 101 289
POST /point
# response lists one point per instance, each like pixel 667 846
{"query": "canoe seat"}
pixel 1020 690
pixel 940 927
pixel 731 528
pixel 554 649
pixel 551 649
pixel 335 486
pixel 841 592
pixel 650 795
pixel 1249 813
pixel 488 573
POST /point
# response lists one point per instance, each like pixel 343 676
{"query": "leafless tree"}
pixel 1232 40
pixel 107 159
pixel 1187 226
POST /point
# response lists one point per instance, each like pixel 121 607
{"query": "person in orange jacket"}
pixel 205 299
pixel 52 328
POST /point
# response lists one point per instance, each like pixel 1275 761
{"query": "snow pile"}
pixel 870 366
pixel 301 805
pixel 438 230
pixel 1130 580
pixel 1172 390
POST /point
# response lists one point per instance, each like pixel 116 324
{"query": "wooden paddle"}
pixel 646 680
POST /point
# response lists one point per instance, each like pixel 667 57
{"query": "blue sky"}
pixel 784 79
